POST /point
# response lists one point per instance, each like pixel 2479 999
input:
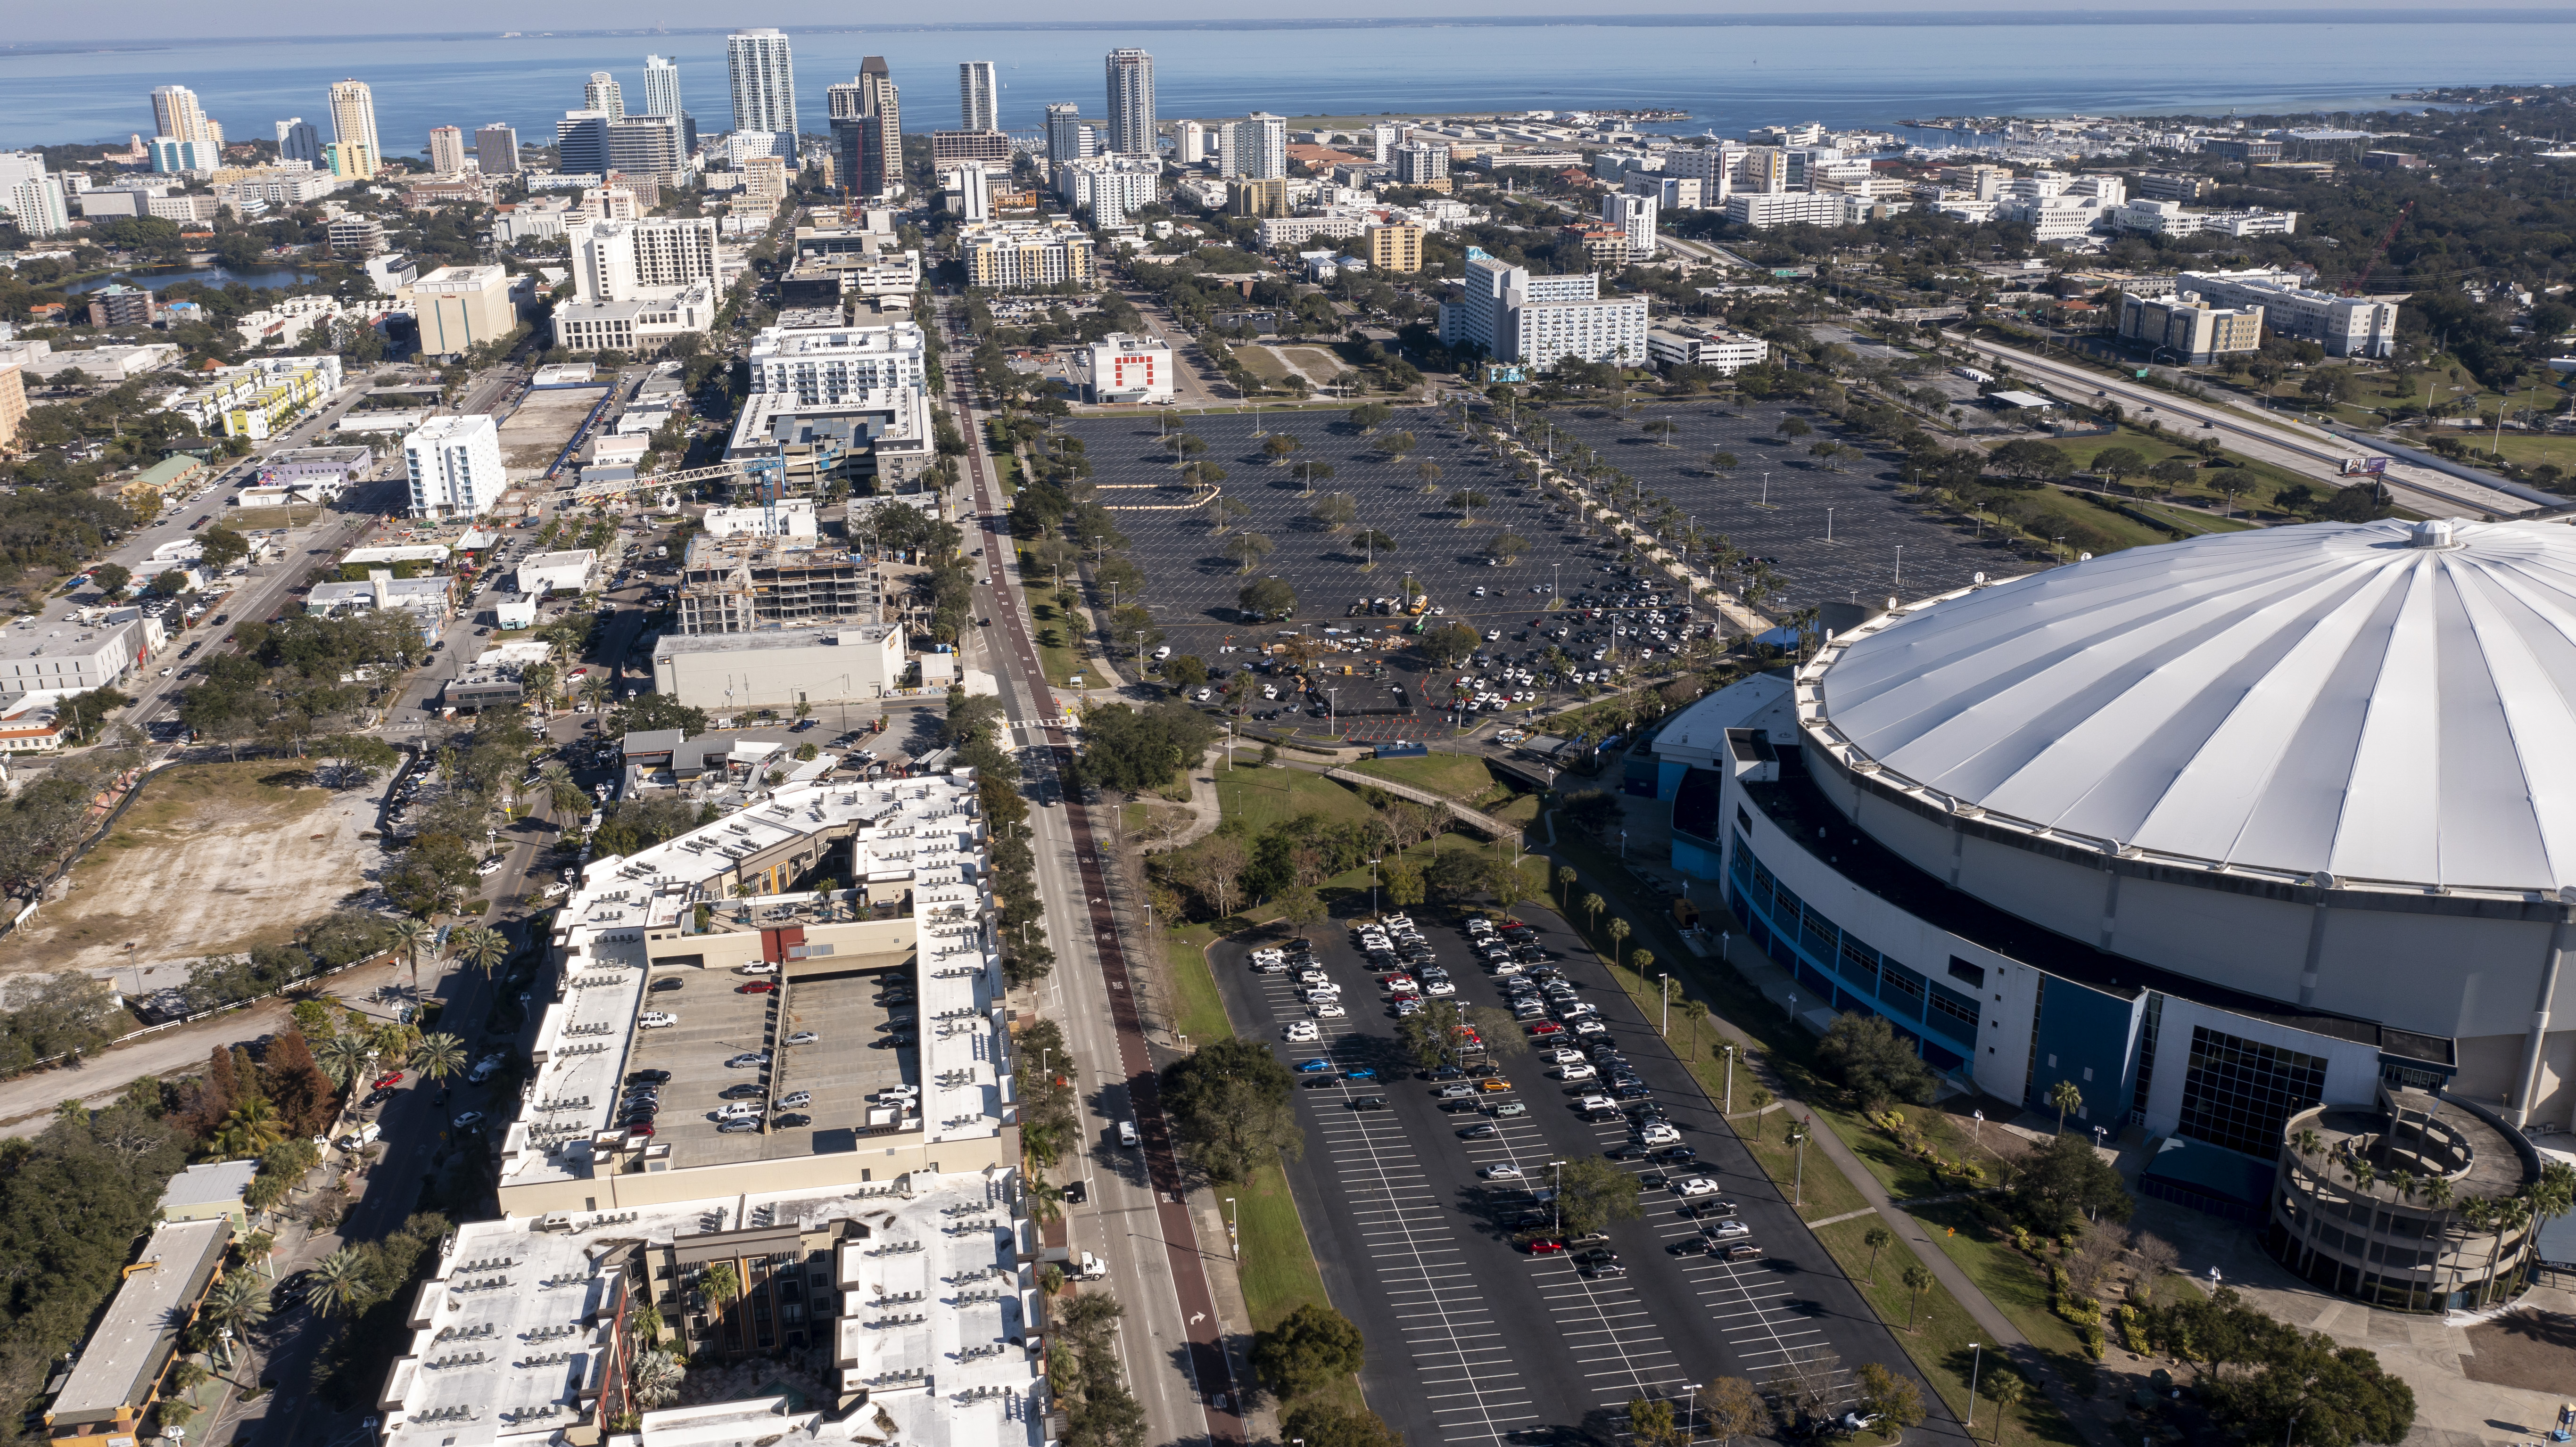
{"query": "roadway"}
pixel 1134 1215
pixel 2297 448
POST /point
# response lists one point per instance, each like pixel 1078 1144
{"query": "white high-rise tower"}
pixel 661 87
pixel 979 100
pixel 764 82
pixel 1131 102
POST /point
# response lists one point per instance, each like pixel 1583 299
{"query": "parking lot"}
pixel 1830 537
pixel 1193 585
pixel 1472 1338
pixel 855 1053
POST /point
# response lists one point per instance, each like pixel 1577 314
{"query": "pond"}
pixel 153 278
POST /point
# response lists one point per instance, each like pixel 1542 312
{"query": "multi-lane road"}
pixel 1172 1342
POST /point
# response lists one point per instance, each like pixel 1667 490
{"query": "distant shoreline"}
pixel 2554 15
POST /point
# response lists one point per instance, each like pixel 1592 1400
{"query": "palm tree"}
pixel 1917 1281
pixel 438 1056
pixel 657 1379
pixel 594 690
pixel 1046 1198
pixel 237 1303
pixel 1593 904
pixel 565 795
pixel 1564 881
pixel 2008 1392
pixel 2306 1142
pixel 342 1056
pixel 483 947
pixel 411 936
pixel 248 1131
pixel 1696 1012
pixel 339 1282
pixel 1619 932
pixel 2065 1097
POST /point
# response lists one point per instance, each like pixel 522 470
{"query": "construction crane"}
pixel 769 473
pixel 2362 277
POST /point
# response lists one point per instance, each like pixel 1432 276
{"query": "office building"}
pixel 2346 326
pixel 1396 247
pixel 867 132
pixel 1765 209
pixel 817 367
pixel 455 468
pixel 845 107
pixel 1110 188
pixel 637 284
pixel 496 150
pixel 1634 216
pixel 2169 186
pixel 1698 344
pixel 174 157
pixel 353 129
pixel 297 140
pixel 1131 103
pixel 176 114
pixel 781 667
pixel 1255 147
pixel 1536 321
pixel 33 198
pixel 1067 138
pixel 463 307
pixel 648 149
pixel 605 95
pixel 13 404
pixel 979 97
pixel 1710 170
pixel 2188 329
pixel 1256 197
pixel 1025 255
pixel 763 77
pixel 581 142
pixel 1124 368
pixel 2247 151
pixel 1383 139
pixel 1762 168
pixel 71 659
pixel 2164 867
pixel 446 151
pixel 969 190
pixel 661 88
pixel 1189 143
pixel 993 148
pixel 359 236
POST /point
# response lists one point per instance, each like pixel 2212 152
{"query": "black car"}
pixel 644 1077
pixel 1443 1072
pixel 1626 1153
pixel 792 1120
pixel 1369 1102
pixel 1678 1154
pixel 1319 1082
pixel 1632 1092
pixel 744 1091
pixel 1689 1246
pixel 672 983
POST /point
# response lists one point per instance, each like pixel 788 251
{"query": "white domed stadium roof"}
pixel 2378 701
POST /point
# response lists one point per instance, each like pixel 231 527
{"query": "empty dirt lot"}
pixel 213 859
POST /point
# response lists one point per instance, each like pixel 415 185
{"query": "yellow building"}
pixel 13 404
pixel 1256 196
pixel 349 160
pixel 1395 248
pixel 1024 255
pixel 462 307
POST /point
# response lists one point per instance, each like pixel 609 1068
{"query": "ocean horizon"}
pixel 1726 73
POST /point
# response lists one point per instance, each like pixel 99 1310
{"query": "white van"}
pixel 1127 1135
pixel 757 967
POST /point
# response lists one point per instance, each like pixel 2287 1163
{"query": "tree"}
pixel 1301 909
pixel 1874 1064
pixel 1619 932
pixel 220 547
pixel 1307 1351
pixel 1247 549
pixel 2053 1187
pixel 1721 463
pixel 1279 445
pixel 1467 500
pixel 1653 1423
pixel 247 1131
pixel 1334 510
pixel 2009 1392
pixel 482 947
pixel 1507 547
pixel 1371 542
pixel 2065 1096
pixel 2118 464
pixel 339 1282
pixel 1265 599
pixel 1451 643
pixel 2032 461
pixel 1877 1239
pixel 1591 1193
pixel 1794 427
pixel 111 578
pixel 1892 1396
pixel 342 1057
pixel 1917 1281
pixel 1593 904
pixel 1318 1425
pixel 2172 472
pixel 1402 880
pixel 1186 672
pixel 1733 1409
pixel 1370 416
pixel 438 1057
pixel 1230 1102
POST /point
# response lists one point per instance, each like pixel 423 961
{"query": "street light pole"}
pixel 1664 988
pixel 1233 1228
pixel 1556 1196
pixel 1976 1359
pixel 1730 1079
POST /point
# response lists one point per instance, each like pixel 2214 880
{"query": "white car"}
pixel 1660 1134
pixel 1328 1010
pixel 1727 1230
pixel 1576 1070
pixel 1562 1056
pixel 757 967
pixel 1695 1186
pixel 1501 1171
pixel 1298 1030
pixel 656 1020
pixel 1203 695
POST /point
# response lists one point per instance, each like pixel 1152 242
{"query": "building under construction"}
pixel 736 585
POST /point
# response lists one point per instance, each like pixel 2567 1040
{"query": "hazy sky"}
pixel 51 23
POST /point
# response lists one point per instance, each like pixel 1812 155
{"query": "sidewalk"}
pixel 1998 1328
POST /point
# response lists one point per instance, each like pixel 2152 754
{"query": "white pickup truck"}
pixel 1091 1268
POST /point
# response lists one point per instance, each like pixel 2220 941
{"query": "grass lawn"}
pixel 1935 1330
pixel 1463 777
pixel 2192 522
pixel 2526 450
pixel 1263 363
pixel 1263 797
pixel 1055 634
pixel 2017 1288
pixel 1318 364
pixel 2131 533
pixel 252 519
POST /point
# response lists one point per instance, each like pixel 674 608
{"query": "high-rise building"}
pixel 1635 216
pixel 661 87
pixel 1422 163
pixel 496 149
pixel 353 126
pixel 648 148
pixel 33 199
pixel 1382 143
pixel 1189 143
pixel 1064 132
pixel 1131 102
pixel 1537 321
pixel 1255 147
pixel 973 190
pixel 455 466
pixel 1395 247
pixel 603 93
pixel 446 150
pixel 979 97
pixel 171 156
pixel 176 114
pixel 764 82
pixel 847 106
pixel 581 143
pixel 298 141
pixel 880 170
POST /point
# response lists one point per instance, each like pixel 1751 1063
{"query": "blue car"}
pixel 1363 1072
pixel 1309 1067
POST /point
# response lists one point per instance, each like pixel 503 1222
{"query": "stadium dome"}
pixel 2373 702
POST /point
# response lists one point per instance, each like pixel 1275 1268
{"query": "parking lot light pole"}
pixel 1976 1359
pixel 1798 1186
pixel 1729 1107
pixel 1556 1196
pixel 1664 987
pixel 1373 864
pixel 1233 1229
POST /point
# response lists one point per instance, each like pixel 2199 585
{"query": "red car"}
pixel 1543 1246
pixel 388 1079
pixel 647 1129
pixel 756 987
pixel 1545 1029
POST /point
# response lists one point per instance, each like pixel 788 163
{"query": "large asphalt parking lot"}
pixel 1471 1340
pixel 1192 586
pixel 1774 504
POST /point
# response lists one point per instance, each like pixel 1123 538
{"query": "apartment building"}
pixel 1693 344
pixel 2190 327
pixel 1395 247
pixel 741 584
pixel 463 307
pixel 2346 326
pixel 1535 321
pixel 454 465
pixel 1024 255
pixel 1764 210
